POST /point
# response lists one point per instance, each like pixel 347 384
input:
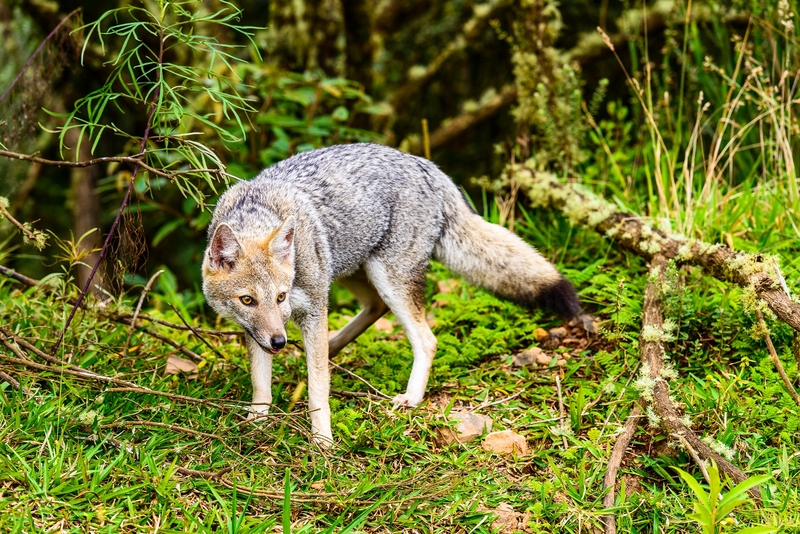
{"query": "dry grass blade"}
pixel 138 309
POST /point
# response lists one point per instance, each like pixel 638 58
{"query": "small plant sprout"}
pixel 712 508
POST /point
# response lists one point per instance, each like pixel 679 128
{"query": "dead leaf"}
pixel 384 325
pixel 507 521
pixel 505 442
pixel 176 365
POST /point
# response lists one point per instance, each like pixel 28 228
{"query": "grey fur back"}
pixel 359 198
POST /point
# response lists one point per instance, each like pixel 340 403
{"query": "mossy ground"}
pixel 76 457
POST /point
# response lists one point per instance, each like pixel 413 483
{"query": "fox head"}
pixel 248 279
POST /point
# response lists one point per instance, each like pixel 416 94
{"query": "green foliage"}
pixel 143 79
pixel 306 111
pixel 712 508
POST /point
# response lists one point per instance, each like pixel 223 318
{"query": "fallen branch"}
pixel 5 377
pixel 614 463
pixel 753 272
pixel 657 374
pixel 460 124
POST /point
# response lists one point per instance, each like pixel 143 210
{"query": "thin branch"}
pixel 776 359
pixel 176 326
pixel 370 386
pixel 171 342
pixel 174 428
pixel 147 287
pixel 615 462
pixel 11 273
pixel 652 355
pixel 195 332
pixel 14 382
pixel 27 233
pixel 134 160
pixel 562 414
pixel 36 52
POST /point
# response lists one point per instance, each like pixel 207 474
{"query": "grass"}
pixel 77 457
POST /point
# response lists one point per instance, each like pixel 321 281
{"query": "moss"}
pixel 685 251
pixel 669 373
pixel 652 417
pixel 746 264
pixel 645 383
pixel 720 448
pixel 655 334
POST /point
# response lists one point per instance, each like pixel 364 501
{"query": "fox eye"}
pixel 247 300
pixel 281 297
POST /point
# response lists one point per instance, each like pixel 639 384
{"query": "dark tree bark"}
pixel 359 48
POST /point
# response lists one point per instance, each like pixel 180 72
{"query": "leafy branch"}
pixel 141 78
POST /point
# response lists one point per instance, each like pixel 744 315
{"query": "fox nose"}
pixel 277 342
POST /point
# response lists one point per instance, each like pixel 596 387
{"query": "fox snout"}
pixel 269 343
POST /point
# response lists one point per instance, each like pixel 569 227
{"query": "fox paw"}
pixel 404 399
pixel 257 411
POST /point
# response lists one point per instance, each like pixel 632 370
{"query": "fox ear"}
pixel 224 249
pixel 282 245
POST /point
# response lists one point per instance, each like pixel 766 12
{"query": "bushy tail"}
pixel 492 257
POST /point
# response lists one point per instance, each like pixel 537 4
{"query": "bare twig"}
pixel 174 428
pixel 11 273
pixel 138 309
pixel 21 227
pixel 562 414
pixel 776 359
pixel 171 342
pixel 196 333
pixel 220 478
pixel 693 453
pixel 182 398
pixel 352 374
pixel 614 463
pixel 176 326
pixel 14 382
pixel 134 160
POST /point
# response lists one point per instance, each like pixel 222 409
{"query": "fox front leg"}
pixel 261 373
pixel 315 338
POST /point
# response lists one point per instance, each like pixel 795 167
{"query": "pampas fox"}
pixel 371 218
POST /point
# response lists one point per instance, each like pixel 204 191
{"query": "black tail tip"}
pixel 560 298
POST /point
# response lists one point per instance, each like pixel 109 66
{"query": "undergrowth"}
pixel 78 455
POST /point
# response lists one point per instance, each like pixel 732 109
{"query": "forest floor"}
pixel 80 453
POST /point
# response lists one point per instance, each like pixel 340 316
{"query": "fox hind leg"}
pixel 372 308
pixel 404 292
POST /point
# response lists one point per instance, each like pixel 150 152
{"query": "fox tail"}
pixel 495 258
